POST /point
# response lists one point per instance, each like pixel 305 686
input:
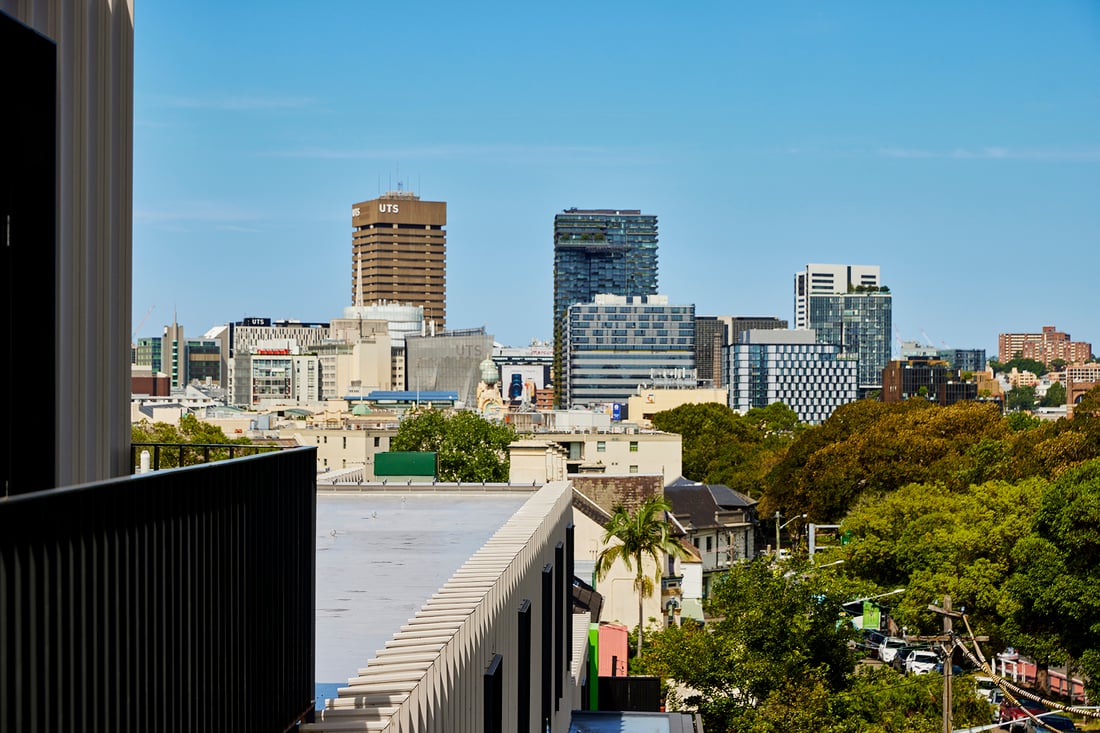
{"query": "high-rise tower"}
pixel 600 251
pixel 399 253
pixel 848 307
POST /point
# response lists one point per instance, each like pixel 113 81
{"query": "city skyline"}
pixel 954 147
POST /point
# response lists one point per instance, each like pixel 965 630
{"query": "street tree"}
pixel 468 447
pixel 633 536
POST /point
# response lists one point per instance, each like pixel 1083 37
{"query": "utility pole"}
pixel 947 614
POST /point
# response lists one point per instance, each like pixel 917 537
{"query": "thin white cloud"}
pixel 995 153
pixel 238 103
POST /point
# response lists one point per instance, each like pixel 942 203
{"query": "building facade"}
pixel 820 279
pixel 1045 346
pixel 926 378
pixel 711 336
pixel 600 251
pixel 448 361
pixel 860 324
pixel 617 342
pixel 399 253
pixel 792 367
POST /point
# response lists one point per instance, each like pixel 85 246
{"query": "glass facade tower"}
pixel 860 324
pixel 600 251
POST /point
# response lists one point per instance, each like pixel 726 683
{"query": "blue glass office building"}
pixel 596 251
pixel 616 343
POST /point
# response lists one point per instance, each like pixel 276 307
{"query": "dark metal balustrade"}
pixel 176 600
pixel 175 455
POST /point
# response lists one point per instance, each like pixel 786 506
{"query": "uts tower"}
pixel 399 253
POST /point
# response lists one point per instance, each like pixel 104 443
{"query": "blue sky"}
pixel 956 144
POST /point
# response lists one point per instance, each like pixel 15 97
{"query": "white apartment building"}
pixel 820 279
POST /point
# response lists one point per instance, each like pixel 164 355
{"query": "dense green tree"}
pixel 1053 603
pixel 467 446
pixel 1021 365
pixel 720 446
pixel 1020 398
pixel 766 630
pixel 633 536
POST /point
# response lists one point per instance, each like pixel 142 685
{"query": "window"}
pixel 709 543
pixel 601 446
pixel 345 442
pixel 633 469
pixel 633 446
pixel 377 441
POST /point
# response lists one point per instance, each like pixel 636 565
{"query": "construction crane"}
pixel 142 322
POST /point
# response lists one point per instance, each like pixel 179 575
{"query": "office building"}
pixel 819 279
pixel 1046 346
pixel 618 342
pixel 793 367
pixel 399 253
pixel 714 333
pixel 848 307
pixel 966 360
pixel 711 336
pixel 736 325
pixel 926 378
pixel 447 362
pixel 600 251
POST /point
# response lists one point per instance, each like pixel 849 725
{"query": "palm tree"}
pixel 640 534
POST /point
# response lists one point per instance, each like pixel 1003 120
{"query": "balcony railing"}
pixel 171 601
pixel 176 455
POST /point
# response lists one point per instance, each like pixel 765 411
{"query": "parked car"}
pixel 921 661
pixel 869 642
pixel 984 686
pixel 1015 716
pixel 1055 722
pixel 901 655
pixel 889 648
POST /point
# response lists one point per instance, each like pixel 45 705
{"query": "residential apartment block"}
pixel 792 367
pixel 819 279
pixel 600 251
pixel 1045 346
pixel 926 378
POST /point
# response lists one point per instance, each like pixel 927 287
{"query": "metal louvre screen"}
pixel 177 600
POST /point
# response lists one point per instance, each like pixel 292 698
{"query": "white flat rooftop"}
pixel 380 557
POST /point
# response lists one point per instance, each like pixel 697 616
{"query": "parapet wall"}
pixel 491 650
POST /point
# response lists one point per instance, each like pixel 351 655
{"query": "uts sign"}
pixel 389 208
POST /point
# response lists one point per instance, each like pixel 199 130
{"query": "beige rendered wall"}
pixel 642 407
pixel 620 600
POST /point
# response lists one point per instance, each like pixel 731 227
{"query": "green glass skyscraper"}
pixel 600 251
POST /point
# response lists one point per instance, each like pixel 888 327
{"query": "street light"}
pixel 779 526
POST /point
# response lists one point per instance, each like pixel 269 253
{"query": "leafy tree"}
pixel 1024 365
pixel 634 536
pixel 770 639
pixel 721 446
pixel 1057 364
pixel 1053 603
pixel 467 446
pixel 189 430
pixel 1020 398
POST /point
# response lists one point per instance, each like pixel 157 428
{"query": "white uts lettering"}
pixel 355 211
pixel 387 208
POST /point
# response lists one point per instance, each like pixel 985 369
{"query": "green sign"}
pixel 872 615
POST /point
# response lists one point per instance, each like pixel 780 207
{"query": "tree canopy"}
pixel 721 446
pixel 468 447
